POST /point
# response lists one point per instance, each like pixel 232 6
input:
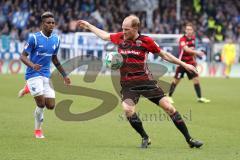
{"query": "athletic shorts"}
pixel 180 71
pixel 40 86
pixel 149 89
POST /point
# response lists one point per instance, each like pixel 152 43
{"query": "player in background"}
pixel 228 56
pixel 42 48
pixel 187 54
pixel 134 48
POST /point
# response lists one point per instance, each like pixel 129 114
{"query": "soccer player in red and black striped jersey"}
pixel 187 54
pixel 136 79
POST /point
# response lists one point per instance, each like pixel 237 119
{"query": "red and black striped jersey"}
pixel 134 54
pixel 183 55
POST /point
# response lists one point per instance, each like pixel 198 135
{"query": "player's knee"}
pixel 50 106
pixel 195 80
pixel 128 107
pixel 170 110
pixel 40 104
pixel 129 112
pixel 167 106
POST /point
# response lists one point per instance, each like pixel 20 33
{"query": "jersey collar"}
pixel 191 37
pixel 44 35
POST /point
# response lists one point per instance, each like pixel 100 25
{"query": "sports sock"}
pixel 38 115
pixel 198 90
pixel 180 124
pixel 172 89
pixel 136 123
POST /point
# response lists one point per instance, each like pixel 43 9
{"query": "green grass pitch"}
pixel 110 137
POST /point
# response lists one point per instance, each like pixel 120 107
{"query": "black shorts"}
pixel 180 71
pixel 149 89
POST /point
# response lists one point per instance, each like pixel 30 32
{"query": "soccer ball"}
pixel 114 60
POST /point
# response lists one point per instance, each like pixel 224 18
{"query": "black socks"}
pixel 136 123
pixel 198 90
pixel 172 89
pixel 180 124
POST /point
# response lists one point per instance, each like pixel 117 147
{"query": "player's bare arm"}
pixel 170 58
pixel 26 61
pixel 100 33
pixel 60 69
pixel 192 51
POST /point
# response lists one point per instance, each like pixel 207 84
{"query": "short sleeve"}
pixel 30 44
pixel 153 47
pixel 57 48
pixel 116 37
pixel 182 42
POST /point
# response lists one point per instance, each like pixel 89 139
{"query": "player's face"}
pixel 129 32
pixel 189 31
pixel 48 24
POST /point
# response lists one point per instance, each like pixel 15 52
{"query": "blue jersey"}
pixel 40 49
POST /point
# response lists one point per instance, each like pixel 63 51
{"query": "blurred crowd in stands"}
pixel 215 20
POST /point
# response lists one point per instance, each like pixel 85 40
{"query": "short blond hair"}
pixel 47 15
pixel 134 20
pixel 190 25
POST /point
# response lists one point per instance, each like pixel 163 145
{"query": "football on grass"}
pixel 114 60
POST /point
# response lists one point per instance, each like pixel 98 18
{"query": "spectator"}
pixel 213 18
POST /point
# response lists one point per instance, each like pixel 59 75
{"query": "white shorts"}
pixel 40 86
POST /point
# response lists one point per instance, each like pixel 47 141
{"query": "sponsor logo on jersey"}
pixel 129 52
pixel 138 42
pixel 43 54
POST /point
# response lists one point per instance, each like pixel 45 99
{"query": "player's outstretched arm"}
pixel 170 58
pixel 60 69
pixel 100 33
pixel 27 62
pixel 193 52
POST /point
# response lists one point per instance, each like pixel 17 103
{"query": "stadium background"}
pixel 215 21
pixel 213 26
